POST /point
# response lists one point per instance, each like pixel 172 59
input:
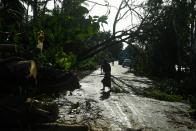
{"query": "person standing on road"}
pixel 107 75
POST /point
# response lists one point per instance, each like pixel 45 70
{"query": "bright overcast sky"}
pixel 99 10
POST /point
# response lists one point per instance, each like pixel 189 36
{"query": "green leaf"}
pixel 103 19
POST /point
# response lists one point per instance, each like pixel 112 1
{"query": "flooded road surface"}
pixel 122 111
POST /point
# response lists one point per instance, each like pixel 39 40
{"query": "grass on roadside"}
pixel 161 95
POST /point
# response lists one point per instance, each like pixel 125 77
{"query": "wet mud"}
pixel 121 110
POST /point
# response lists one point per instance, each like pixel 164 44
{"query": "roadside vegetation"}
pixel 53 44
pixel 41 55
pixel 163 92
pixel 164 50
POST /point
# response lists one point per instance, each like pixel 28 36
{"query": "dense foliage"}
pixel 67 30
pixel 165 45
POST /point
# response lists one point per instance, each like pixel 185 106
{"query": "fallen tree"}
pixel 51 81
pixel 20 81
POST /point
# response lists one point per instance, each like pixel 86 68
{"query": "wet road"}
pixel 123 110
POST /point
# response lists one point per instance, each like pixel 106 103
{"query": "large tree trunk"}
pixel 35 11
pixel 52 81
pixel 16 72
pixel 8 48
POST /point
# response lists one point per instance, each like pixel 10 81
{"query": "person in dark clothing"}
pixel 107 74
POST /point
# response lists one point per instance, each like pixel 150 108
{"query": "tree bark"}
pixel 5 48
pixel 35 10
pixel 16 72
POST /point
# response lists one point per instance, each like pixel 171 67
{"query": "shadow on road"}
pixel 105 95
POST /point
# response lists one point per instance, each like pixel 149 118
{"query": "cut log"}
pixel 51 80
pixel 16 73
pixel 8 48
pixel 10 59
pixel 15 111
pixel 23 69
pixel 12 111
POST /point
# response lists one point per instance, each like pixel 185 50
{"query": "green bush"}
pixel 166 89
pixel 88 65
pixel 64 61
pixel 169 86
pixel 57 59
